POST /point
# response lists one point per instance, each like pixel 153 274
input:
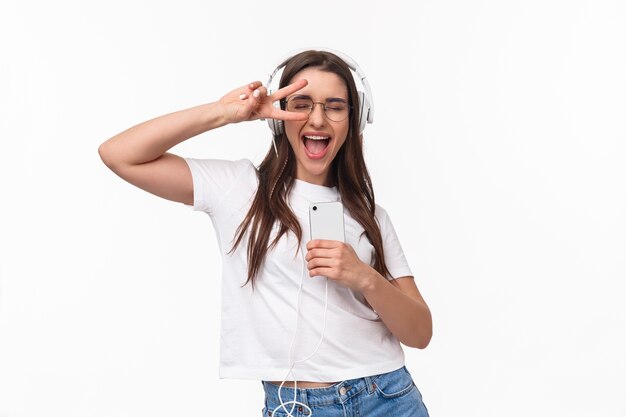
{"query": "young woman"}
pixel 329 314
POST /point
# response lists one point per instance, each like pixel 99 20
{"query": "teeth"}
pixel 317 137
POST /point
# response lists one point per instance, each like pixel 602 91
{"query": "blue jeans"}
pixel 391 394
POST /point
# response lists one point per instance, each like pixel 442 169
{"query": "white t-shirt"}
pixel 257 327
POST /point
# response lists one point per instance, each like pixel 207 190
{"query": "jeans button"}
pixel 342 390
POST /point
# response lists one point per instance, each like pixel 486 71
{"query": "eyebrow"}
pixel 330 99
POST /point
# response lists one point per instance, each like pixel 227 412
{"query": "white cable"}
pixel 295 388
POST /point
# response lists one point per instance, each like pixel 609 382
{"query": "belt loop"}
pixel 304 399
pixel 368 382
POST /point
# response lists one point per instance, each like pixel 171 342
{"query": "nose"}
pixel 317 116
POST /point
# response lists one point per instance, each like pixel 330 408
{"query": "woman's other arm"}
pixel 398 302
pixel 401 307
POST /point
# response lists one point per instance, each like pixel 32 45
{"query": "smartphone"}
pixel 326 221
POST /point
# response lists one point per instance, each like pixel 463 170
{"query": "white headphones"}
pixel 366 104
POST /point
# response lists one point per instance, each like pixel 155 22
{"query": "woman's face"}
pixel 314 157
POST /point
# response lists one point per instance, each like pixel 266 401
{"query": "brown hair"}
pixel 276 177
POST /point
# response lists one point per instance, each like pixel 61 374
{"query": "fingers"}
pixel 257 95
pixel 318 253
pixel 322 243
pixel 288 115
pixel 322 272
pixel 317 265
pixel 253 97
pixel 291 88
pixel 326 250
pixel 258 104
pixel 279 114
pixel 248 90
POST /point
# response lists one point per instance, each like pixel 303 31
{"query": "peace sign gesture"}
pixel 251 102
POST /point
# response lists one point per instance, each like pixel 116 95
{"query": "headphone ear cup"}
pixel 276 126
pixel 364 111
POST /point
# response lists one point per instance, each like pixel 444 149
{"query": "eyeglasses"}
pixel 335 109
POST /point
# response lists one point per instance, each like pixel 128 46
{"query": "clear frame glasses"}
pixel 335 109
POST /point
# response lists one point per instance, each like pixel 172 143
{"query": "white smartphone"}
pixel 326 221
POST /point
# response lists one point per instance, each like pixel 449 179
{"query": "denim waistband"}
pixel 337 393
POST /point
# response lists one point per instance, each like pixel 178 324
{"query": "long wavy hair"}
pixel 276 176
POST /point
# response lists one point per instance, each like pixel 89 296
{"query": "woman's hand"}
pixel 338 261
pixel 251 102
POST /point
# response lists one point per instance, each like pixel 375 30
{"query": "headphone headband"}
pixel 366 104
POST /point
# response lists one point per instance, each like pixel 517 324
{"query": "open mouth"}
pixel 316 146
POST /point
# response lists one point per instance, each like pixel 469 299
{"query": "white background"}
pixel 498 149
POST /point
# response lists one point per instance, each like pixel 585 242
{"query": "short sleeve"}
pixel 394 255
pixel 213 179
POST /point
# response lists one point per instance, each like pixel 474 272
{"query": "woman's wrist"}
pixel 213 116
pixel 371 280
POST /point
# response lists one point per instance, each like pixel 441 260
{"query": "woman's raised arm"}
pixel 139 154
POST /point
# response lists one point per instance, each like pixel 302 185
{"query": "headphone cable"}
pixel 292 363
